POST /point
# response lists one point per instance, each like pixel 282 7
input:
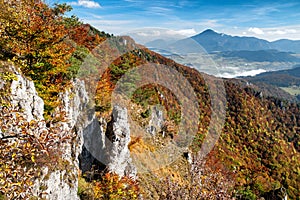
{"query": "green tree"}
pixel 35 37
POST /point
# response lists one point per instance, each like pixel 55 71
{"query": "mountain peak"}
pixel 208 31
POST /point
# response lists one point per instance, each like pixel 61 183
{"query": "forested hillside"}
pixel 257 152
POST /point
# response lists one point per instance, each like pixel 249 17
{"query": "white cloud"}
pixel 151 33
pixel 107 23
pixel 269 33
pixel 236 73
pixel 185 32
pixel 255 30
pixel 158 9
pixel 148 34
pixel 211 23
pixel 266 10
pixel 164 33
pixel 86 3
pixel 281 31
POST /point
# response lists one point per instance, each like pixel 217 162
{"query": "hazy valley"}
pixel 86 115
pixel 228 56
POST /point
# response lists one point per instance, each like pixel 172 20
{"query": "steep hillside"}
pixel 265 90
pixel 123 122
pixel 259 144
pixel 281 78
pixel 287 80
pixel 287 45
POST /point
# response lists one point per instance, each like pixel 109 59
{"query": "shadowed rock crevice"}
pixel 118 134
pixel 109 150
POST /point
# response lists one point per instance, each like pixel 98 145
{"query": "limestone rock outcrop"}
pixel 89 140
pixel 156 122
pixel 118 133
pixel 63 182
pixel 25 97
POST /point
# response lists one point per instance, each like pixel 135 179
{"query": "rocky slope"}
pixel 61 182
pixel 118 121
pixel 257 131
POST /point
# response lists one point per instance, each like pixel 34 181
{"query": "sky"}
pixel 266 19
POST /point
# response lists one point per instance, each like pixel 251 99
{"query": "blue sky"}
pixel 265 19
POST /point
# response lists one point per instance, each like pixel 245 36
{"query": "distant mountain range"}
pixel 269 83
pixel 281 78
pixel 212 41
pixel 160 43
pixel 287 45
pixel 270 55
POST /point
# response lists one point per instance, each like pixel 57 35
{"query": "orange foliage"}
pixel 114 187
pixel 84 36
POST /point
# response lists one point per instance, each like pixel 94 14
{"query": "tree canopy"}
pixel 35 36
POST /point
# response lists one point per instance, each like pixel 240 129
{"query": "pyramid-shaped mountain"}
pixel 213 41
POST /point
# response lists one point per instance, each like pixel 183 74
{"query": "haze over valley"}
pixel 96 104
pixel 229 56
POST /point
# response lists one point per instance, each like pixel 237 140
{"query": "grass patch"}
pixel 293 90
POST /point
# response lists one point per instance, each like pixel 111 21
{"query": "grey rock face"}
pixel 25 97
pixel 118 133
pixel 94 145
pixel 57 186
pixel 156 122
pixel 62 184
pixel 75 104
pixel 80 120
